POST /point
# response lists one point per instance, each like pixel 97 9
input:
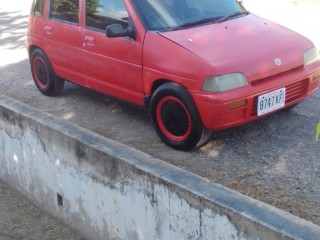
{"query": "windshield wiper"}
pixel 225 18
pixel 195 23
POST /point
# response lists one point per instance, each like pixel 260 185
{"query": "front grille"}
pixel 294 91
pixel 277 75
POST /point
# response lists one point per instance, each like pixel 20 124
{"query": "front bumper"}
pixel 239 106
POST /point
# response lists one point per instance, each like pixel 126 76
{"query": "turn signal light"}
pixel 237 104
pixel 316 76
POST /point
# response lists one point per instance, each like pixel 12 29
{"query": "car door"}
pixel 63 43
pixel 113 65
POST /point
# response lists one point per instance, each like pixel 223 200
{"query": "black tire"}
pixel 176 118
pixel 44 77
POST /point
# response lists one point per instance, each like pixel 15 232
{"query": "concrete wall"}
pixel 107 190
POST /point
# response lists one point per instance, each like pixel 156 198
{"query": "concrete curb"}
pixel 156 184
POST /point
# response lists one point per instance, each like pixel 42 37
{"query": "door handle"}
pixel 48 29
pixel 89 40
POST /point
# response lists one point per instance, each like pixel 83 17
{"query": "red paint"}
pixel 128 68
pixel 39 67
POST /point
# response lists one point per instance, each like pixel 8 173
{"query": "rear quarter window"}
pixel 37 8
pixel 65 11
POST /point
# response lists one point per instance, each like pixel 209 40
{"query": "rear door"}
pixel 63 39
pixel 36 24
pixel 113 65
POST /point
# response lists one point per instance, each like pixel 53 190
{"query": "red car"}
pixel 198 65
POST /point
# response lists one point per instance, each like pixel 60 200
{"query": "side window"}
pixel 65 11
pixel 102 13
pixel 37 8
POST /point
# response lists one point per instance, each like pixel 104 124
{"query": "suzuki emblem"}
pixel 277 61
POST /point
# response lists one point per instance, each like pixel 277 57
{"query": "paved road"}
pixel 275 159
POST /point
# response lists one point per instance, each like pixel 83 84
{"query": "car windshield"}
pixel 164 15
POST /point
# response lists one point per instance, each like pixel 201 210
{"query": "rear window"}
pixel 37 8
pixel 65 11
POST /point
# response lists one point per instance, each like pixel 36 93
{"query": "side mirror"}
pixel 117 30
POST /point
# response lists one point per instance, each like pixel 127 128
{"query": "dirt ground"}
pixel 21 220
pixel 275 159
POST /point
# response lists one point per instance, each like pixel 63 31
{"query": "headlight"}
pixel 224 82
pixel 311 56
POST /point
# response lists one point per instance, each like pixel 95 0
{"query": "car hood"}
pixel 250 45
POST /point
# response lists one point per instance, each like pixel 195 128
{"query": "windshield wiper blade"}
pixel 225 18
pixel 195 23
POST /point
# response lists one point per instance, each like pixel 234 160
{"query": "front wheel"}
pixel 176 118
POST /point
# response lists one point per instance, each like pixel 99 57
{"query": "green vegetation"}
pixel 92 6
pixel 73 5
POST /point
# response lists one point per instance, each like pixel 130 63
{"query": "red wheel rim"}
pixel 173 119
pixel 40 72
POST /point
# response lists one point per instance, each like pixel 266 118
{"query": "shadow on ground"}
pixel 13 27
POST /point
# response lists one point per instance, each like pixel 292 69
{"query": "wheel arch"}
pixel 33 48
pixel 155 85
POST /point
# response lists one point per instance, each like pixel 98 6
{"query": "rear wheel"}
pixel 43 75
pixel 176 118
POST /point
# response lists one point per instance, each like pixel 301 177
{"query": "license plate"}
pixel 271 101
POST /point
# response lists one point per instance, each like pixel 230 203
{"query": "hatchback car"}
pixel 198 65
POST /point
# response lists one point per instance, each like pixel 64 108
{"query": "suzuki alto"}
pixel 198 65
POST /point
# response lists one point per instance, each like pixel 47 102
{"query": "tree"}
pixel 65 5
pixel 73 6
pixel 92 6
